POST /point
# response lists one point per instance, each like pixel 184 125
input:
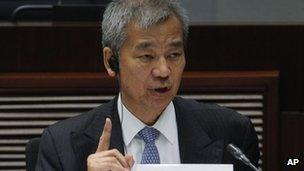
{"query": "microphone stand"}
pixel 238 154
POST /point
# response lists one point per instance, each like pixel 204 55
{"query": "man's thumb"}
pixel 130 160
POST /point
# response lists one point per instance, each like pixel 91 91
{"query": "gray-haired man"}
pixel 143 46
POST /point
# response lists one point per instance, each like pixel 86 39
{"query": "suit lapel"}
pixel 86 142
pixel 194 143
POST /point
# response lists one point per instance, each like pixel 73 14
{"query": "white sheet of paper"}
pixel 183 167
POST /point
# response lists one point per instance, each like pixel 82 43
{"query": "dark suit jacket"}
pixel 203 131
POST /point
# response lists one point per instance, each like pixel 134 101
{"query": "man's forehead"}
pixel 149 44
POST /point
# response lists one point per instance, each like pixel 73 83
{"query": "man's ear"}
pixel 107 54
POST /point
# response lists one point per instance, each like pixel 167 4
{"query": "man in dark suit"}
pixel 143 46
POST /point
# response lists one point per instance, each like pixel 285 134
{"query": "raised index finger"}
pixel 104 140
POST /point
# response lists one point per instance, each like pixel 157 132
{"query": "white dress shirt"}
pixel 167 142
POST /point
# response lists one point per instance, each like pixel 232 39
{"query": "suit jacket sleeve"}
pixel 47 156
pixel 250 145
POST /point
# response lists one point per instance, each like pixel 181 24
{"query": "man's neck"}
pixel 144 114
pixel 149 117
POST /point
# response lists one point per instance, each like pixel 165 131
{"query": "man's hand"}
pixel 104 159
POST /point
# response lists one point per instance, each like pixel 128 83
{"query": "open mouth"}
pixel 161 90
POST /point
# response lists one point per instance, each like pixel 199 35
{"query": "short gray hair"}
pixel 145 13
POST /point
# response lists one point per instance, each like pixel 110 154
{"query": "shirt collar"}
pixel 166 123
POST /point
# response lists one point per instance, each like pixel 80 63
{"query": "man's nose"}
pixel 161 69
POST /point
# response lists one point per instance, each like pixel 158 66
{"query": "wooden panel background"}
pixel 76 47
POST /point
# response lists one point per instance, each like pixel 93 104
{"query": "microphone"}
pixel 238 154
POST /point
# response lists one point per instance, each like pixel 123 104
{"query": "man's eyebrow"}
pixel 144 46
pixel 176 44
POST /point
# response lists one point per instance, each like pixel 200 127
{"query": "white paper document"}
pixel 183 167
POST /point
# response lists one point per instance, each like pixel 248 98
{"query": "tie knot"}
pixel 149 134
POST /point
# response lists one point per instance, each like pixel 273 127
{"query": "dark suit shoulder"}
pixel 80 122
pixel 210 110
pixel 67 141
pixel 218 121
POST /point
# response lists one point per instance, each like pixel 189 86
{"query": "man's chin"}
pixel 160 100
pixel 158 107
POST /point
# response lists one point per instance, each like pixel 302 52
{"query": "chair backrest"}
pixel 31 153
